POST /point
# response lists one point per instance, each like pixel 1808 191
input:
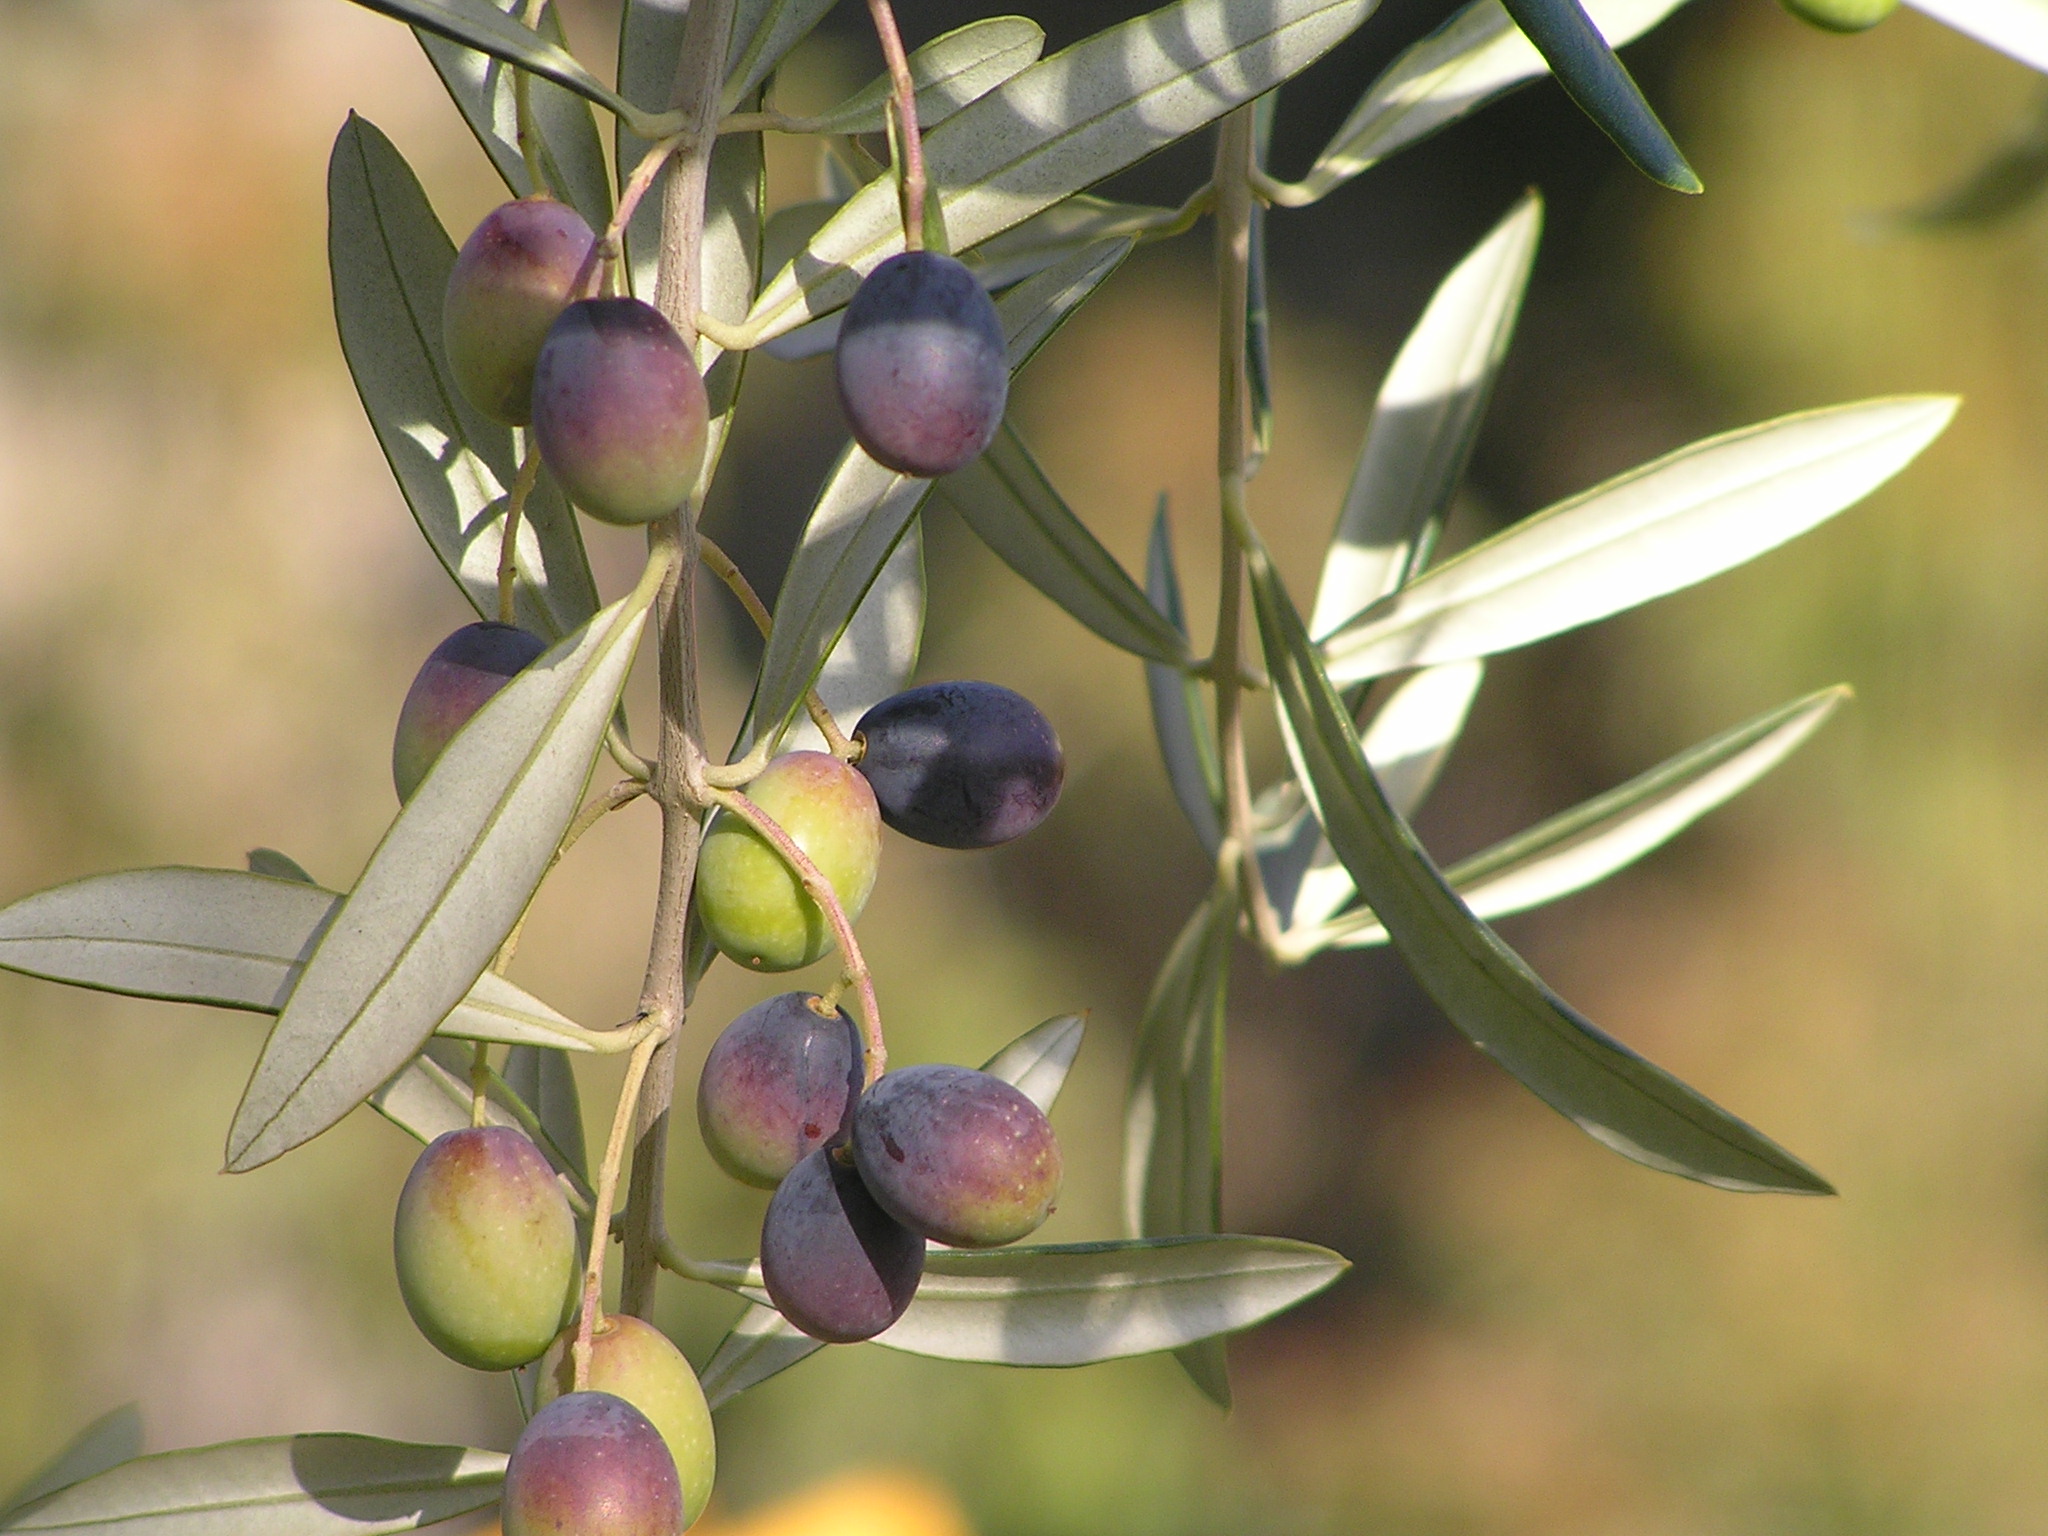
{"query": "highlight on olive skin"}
pixel 635 1361
pixel 780 1082
pixel 591 1464
pixel 921 365
pixel 619 410
pixel 957 1155
pixel 1842 15
pixel 514 275
pixel 459 676
pixel 834 1262
pixel 961 765
pixel 485 1246
pixel 751 903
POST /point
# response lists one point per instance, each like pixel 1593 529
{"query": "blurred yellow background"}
pixel 212 599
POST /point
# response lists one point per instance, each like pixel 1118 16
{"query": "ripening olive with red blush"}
pixel 457 679
pixel 834 1262
pixel 486 1248
pixel 591 1464
pixel 513 277
pixel 957 1155
pixel 619 410
pixel 636 1361
pixel 961 765
pixel 779 1083
pixel 921 365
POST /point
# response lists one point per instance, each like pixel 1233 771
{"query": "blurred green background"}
pixel 211 602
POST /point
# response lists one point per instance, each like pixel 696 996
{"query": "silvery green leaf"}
pixel 442 890
pixel 2017 28
pixel 1602 87
pixel 1472 58
pixel 1180 712
pixel 390 258
pixel 279 866
pixel 763 33
pixel 1037 1061
pixel 1407 743
pixel 222 937
pixel 948 72
pixel 1688 516
pixel 761 1344
pixel 571 153
pixel 296 1485
pixel 1062 125
pixel 863 510
pixel 877 653
pixel 479 24
pixel 547 1083
pixel 1006 498
pixel 1425 422
pixel 427 1100
pixel 1484 987
pixel 1584 845
pixel 106 1442
pixel 1068 226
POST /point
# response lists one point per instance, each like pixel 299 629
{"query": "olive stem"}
pixel 721 565
pixel 612 244
pixel 1233 208
pixel 522 109
pixel 907 140
pixel 820 890
pixel 725 1273
pixel 479 1082
pixel 508 537
pixel 601 1206
pixel 631 763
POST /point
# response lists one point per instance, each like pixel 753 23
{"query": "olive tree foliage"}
pixel 393 994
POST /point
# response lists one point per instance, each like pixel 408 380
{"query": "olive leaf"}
pixel 948 72
pixel 1484 987
pixel 763 33
pixel 1062 125
pixel 390 258
pixel 295 1485
pixel 279 866
pixel 107 1441
pixel 1180 711
pixel 1037 1061
pixel 1687 516
pixel 876 654
pixel 427 1100
pixel 569 148
pixel 442 890
pixel 546 1083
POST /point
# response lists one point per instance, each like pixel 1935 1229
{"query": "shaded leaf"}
pixel 1602 86
pixel 296 1485
pixel 761 1344
pixel 1688 516
pixel 1173 1114
pixel 1180 711
pixel 1006 499
pixel 1425 422
pixel 1037 1061
pixel 876 655
pixel 1062 125
pixel 948 72
pixel 279 866
pixel 442 890
pixel 389 259
pixel 106 1442
pixel 427 1099
pixel 547 1083
pixel 763 33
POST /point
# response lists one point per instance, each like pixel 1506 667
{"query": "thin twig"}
pixel 508 539
pixel 601 1206
pixel 909 141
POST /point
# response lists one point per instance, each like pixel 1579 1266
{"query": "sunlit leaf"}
pixel 1485 988
pixel 761 1344
pixel 390 259
pixel 876 654
pixel 2018 28
pixel 1062 125
pixel 442 890
pixel 1688 516
pixel 571 153
pixel 948 72
pixel 107 1441
pixel 1425 422
pixel 1180 712
pixel 1037 1061
pixel 1006 498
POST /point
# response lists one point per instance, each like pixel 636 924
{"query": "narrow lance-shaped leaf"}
pixel 296 1485
pixel 570 151
pixel 1613 1094
pixel 1180 714
pixel 1688 516
pixel 876 655
pixel 1258 319
pixel 1465 63
pixel 427 1099
pixel 948 72
pixel 1037 1061
pixel 107 1441
pixel 2017 28
pixel 1425 422
pixel 1062 125
pixel 279 866
pixel 442 890
pixel 763 33
pixel 1579 847
pixel 390 259
pixel 221 937
pixel 1006 499
pixel 547 1083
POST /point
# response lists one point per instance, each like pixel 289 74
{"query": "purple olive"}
pixel 957 1155
pixel 619 410
pixel 921 365
pixel 635 1361
pixel 590 1464
pixel 833 1261
pixel 513 276
pixel 456 680
pixel 779 1083
pixel 961 765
